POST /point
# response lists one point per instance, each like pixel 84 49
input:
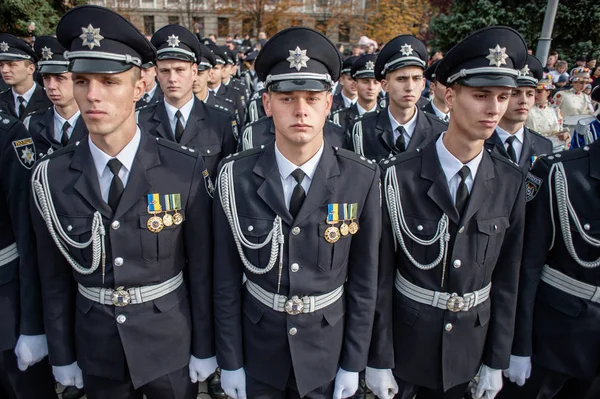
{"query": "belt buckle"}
pixel 294 305
pixel 455 303
pixel 120 297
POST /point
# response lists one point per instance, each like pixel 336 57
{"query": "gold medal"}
pixel 344 229
pixel 168 220
pixel 177 218
pixel 155 224
pixel 332 234
pixel 353 228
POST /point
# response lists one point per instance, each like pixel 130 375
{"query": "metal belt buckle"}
pixel 294 306
pixel 455 303
pixel 121 297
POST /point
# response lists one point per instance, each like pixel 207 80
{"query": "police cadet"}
pixel 17 65
pixel 347 94
pixel 249 76
pixel 368 90
pixel 451 240
pixel 301 220
pixel 118 217
pixel 557 333
pixel 181 117
pixel 229 75
pixel 216 86
pixel 402 125
pixel 60 125
pixel 436 106
pixel 511 138
pixel 153 92
pixel 24 369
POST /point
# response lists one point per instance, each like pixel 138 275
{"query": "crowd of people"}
pixel 292 219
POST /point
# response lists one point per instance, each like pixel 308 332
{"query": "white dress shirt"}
pixel 440 114
pixel 409 127
pixel 517 144
pixel 451 166
pixel 215 90
pixel 126 157
pixel 347 101
pixel 27 96
pixel 286 167
pixel 59 121
pixel 361 110
pixel 186 110
pixel 150 93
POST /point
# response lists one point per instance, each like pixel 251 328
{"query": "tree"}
pixel 263 15
pixel 577 23
pixel 395 17
pixel 16 15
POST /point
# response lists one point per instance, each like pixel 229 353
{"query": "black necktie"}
pixel 400 143
pixel 298 194
pixel 116 186
pixel 147 97
pixel 512 154
pixel 462 193
pixel 21 106
pixel 64 138
pixel 178 126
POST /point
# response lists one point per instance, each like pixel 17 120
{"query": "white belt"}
pixel 131 296
pixel 294 305
pixel 8 254
pixel 442 300
pixel 569 285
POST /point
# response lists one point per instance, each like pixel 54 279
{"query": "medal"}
pixel 344 229
pixel 155 223
pixel 177 217
pixel 332 234
pixel 353 228
pixel 167 218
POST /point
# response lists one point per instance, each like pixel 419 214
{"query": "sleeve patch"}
pixel 25 150
pixel 532 186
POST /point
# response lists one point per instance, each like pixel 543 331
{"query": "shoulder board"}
pixel 38 112
pixel 148 106
pixel 355 157
pixel 219 108
pixel 61 151
pixel 537 134
pixel 260 120
pixel 177 147
pixel 566 156
pixel 434 117
pixel 399 158
pixel 229 100
pixel 330 122
pixel 242 154
pixel 338 111
pixel 7 121
pixel 367 115
pixel 256 96
pixel 5 91
pixel 502 158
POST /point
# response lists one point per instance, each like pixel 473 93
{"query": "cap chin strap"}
pixel 128 59
pixel 527 79
pixel 463 73
pixel 177 50
pixel 63 63
pixel 298 76
pixel 386 67
pixel 23 56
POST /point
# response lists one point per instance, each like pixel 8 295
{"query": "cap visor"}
pixel 54 69
pixel 299 85
pixel 488 80
pixel 526 83
pixel 88 65
pixel 174 56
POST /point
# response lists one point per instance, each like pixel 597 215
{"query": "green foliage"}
pixel 576 28
pixel 16 15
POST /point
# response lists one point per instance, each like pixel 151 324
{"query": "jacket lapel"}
pixel 422 130
pixel 482 187
pixel 137 183
pixel 87 184
pixel 8 99
pixel 498 145
pixel 162 124
pixel 438 191
pixel 271 190
pixel 384 130
pixel 192 127
pixel 79 131
pixel 322 185
pixel 527 150
pixel 46 129
pixel 36 102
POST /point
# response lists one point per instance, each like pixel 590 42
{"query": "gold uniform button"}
pixel 457 263
pixel 295 267
pixel 115 225
pixel 296 230
pixel 118 261
pixel 448 327
pixel 121 319
pixel 293 331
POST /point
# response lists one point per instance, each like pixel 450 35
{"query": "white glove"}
pixel 68 375
pixel 346 384
pixel 201 369
pixel 490 383
pixel 30 349
pixel 519 369
pixel 381 382
pixel 234 383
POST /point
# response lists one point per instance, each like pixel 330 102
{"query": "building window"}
pixel 321 26
pixel 222 27
pixel 344 33
pixel 147 3
pixel 149 25
pixel 198 24
pixel 173 19
pixel 248 26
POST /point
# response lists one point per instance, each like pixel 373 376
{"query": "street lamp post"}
pixel 545 39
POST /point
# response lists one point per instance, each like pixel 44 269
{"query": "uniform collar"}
pixel 286 167
pixel 27 95
pixel 185 110
pixel 451 165
pixel 347 101
pixel 409 126
pixel 126 156
pixel 439 113
pixel 362 111
pixel 503 134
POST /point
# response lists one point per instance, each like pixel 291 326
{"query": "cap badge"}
pixel 297 58
pixel 370 65
pixel 525 71
pixel 497 56
pixel 91 36
pixel 406 49
pixel 47 53
pixel 173 41
pixel 4 47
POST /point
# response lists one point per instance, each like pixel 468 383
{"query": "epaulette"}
pixel 219 108
pixel 538 134
pixel 368 115
pixel 326 121
pixel 399 158
pixel 256 95
pixel 565 156
pixel 177 147
pixel 227 99
pixel 37 111
pixel 434 117
pixel 63 150
pixel 4 91
pixel 243 154
pixel 355 157
pixel 7 121
pixel 504 159
pixel 262 119
pixel 148 106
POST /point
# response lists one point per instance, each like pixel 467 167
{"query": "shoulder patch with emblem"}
pixel 25 150
pixel 532 186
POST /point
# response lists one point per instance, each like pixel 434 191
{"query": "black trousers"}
pixel 406 390
pixel 36 382
pixel 545 384
pixel 176 385
pixel 259 390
